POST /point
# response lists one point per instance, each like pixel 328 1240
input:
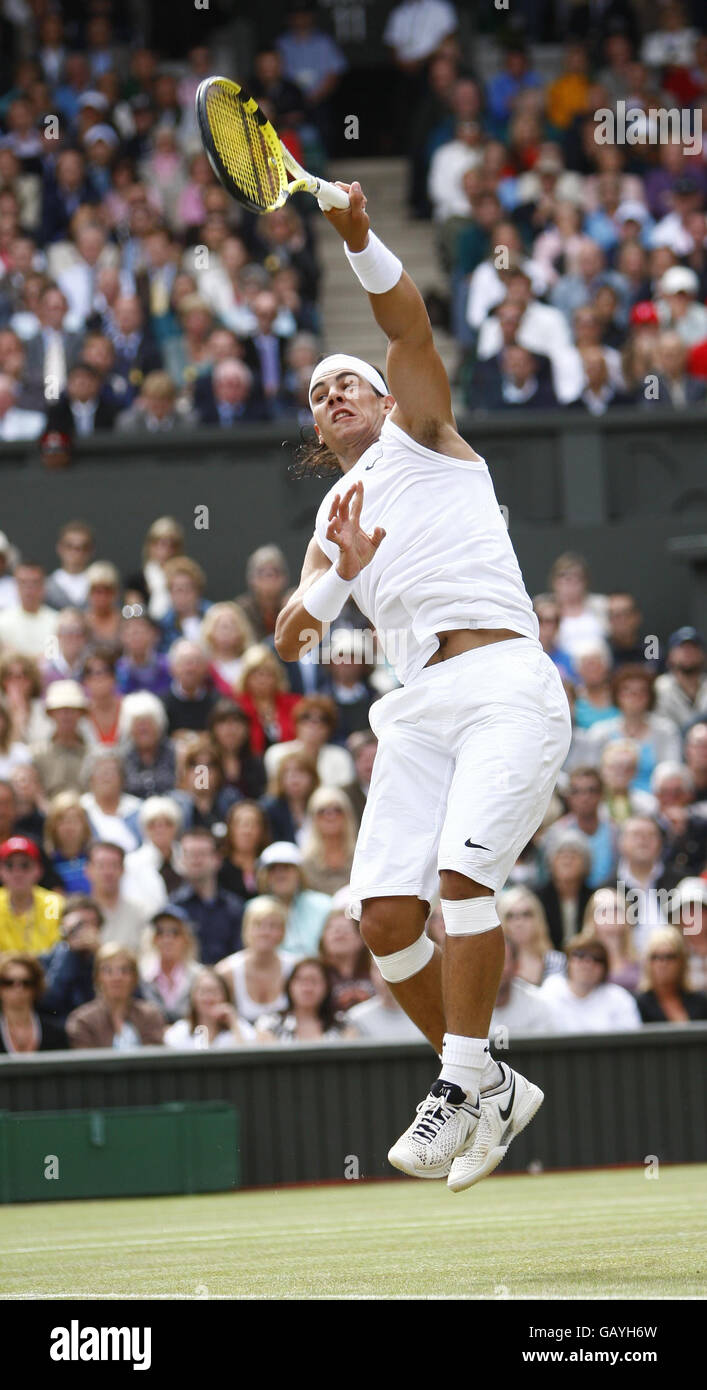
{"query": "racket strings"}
pixel 254 166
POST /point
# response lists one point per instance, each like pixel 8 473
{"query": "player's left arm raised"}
pixel 416 373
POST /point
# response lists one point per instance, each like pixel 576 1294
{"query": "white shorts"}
pixel 468 756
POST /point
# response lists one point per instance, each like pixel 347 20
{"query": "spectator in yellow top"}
pixel 29 916
pixel 566 97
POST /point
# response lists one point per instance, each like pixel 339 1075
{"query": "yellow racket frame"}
pixel 247 155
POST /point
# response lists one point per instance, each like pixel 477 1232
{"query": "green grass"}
pixel 592 1235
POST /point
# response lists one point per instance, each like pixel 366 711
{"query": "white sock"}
pixel 491 1075
pixel 463 1061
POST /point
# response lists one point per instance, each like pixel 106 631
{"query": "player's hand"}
pixel 351 223
pixel 356 547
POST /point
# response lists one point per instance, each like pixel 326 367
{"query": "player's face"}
pixel 346 408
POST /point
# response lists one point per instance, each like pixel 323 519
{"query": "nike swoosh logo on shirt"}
pixel 470 845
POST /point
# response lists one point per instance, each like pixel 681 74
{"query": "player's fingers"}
pixel 344 508
pixel 357 197
pixel 357 502
pixel 334 507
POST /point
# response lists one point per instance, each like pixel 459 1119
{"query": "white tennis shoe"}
pixel 444 1124
pixel 506 1109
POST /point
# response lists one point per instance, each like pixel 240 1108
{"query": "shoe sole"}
pixel 411 1172
pixel 495 1156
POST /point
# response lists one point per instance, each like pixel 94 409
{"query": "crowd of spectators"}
pixel 568 194
pixel 135 294
pixel 179 810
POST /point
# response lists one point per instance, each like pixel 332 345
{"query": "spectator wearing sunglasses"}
pixel 584 1000
pixel 21 1027
pixel 29 915
pixel 664 996
pixel 315 719
pixel 169 967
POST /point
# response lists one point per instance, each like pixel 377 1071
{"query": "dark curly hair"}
pixel 313 458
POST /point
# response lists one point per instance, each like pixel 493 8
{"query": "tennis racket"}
pixel 247 155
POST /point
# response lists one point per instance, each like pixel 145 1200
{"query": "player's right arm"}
pixel 296 629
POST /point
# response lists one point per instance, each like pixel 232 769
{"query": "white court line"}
pixel 352 1297
pixel 185 1234
pixel 279 1237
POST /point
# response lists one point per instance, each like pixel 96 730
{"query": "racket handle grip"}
pixel 329 196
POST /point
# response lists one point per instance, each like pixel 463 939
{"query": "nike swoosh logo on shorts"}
pixel 470 845
pixel 505 1114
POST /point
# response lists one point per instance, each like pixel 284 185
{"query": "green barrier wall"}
pixel 322 1113
pixel 122 1152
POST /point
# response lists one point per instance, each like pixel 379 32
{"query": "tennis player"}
pixel 470 746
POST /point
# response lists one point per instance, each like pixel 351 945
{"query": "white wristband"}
pixel 326 598
pixel 377 268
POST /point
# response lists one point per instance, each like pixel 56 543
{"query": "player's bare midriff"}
pixel 464 639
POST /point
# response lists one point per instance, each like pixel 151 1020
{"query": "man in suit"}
pixel 53 350
pixel 672 386
pixel 265 350
pixel 65 189
pixel 516 378
pixel 233 400
pixel 79 410
pixel 136 353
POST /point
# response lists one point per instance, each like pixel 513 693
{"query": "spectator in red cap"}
pixel 644 312
pixel 29 916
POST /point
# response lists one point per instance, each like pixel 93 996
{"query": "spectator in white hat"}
pixel 690 900
pixel 60 760
pixel 280 874
pixel 677 306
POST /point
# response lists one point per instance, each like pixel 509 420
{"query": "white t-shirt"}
pixel 416 27
pixel 180 1035
pixel 16 754
pixel 608 1009
pixel 446 561
pixel 445 179
pixel 526 1012
pixel 27 633
pixel 75 585
pixel 373 1019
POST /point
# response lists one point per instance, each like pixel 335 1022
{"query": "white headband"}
pixel 341 362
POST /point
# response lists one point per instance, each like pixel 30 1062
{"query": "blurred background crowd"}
pixel 179 808
pixel 134 294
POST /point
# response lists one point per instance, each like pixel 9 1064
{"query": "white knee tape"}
pixel 402 964
pixel 469 916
